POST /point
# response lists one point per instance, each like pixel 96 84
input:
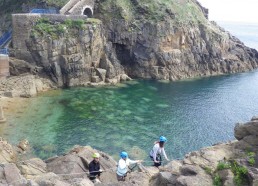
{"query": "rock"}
pixel 190 170
pixel 33 167
pixel 125 77
pixel 95 79
pixel 7 153
pixel 24 145
pixel 12 175
pixel 68 164
pixel 18 67
pixel 227 177
pixel 101 73
pixel 164 179
pixel 50 179
pixel 25 85
pixel 81 182
pixel 255 118
pixel 2 118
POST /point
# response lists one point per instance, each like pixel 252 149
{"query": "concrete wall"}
pixel 4 66
pixel 77 7
pixel 22 26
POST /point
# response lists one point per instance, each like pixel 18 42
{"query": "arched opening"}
pixel 88 12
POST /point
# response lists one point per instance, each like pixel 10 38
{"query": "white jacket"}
pixel 158 150
pixel 122 166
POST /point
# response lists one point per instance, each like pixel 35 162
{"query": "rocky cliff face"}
pixel 171 40
pixel 168 40
pixel 79 56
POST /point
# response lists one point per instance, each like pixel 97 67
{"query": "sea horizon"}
pixel 247 32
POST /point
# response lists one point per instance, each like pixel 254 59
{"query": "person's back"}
pixel 157 151
pixel 94 168
pixel 123 163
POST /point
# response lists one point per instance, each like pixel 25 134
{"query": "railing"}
pixel 6 37
pixel 44 11
pixel 4 51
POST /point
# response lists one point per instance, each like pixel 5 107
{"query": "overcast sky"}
pixel 232 10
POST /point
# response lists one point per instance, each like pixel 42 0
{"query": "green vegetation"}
pixel 217 181
pixel 208 170
pixel 46 27
pixel 223 165
pixel 74 23
pixel 181 11
pixel 240 173
pixel 251 158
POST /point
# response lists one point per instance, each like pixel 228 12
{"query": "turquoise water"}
pixel 191 114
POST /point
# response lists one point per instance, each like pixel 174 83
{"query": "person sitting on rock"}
pixel 94 168
pixel 158 150
pixel 123 164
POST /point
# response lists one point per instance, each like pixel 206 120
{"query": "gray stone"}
pixel 95 79
pixel 101 73
pixel 33 167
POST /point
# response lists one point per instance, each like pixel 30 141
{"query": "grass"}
pixel 153 11
pixel 240 173
pixel 55 30
pixel 223 165
pixel 217 181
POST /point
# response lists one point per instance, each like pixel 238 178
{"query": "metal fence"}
pixel 44 11
pixel 5 38
pixel 4 51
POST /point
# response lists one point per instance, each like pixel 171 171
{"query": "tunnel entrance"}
pixel 88 12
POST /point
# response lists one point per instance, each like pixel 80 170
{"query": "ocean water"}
pixel 246 32
pixel 192 114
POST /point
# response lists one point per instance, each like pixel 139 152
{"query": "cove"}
pixel 192 114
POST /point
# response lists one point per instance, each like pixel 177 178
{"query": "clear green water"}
pixel 191 114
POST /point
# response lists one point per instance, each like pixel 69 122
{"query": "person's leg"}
pixel 120 178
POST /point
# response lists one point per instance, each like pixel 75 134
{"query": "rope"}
pixel 78 173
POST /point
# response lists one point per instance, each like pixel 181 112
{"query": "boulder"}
pixel 7 153
pixel 50 179
pixel 70 165
pixel 23 145
pixel 12 175
pixel 33 167
pixel 227 177
pixel 163 179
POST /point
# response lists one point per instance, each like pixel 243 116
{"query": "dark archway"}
pixel 88 12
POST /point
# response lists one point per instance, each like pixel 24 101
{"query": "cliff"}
pixel 168 40
pixel 171 40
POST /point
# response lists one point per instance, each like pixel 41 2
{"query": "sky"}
pixel 232 10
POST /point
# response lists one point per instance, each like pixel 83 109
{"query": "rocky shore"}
pixel 232 163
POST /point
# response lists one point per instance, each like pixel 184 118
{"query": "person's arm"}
pixel 164 153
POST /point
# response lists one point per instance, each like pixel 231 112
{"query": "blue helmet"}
pixel 162 139
pixel 123 154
